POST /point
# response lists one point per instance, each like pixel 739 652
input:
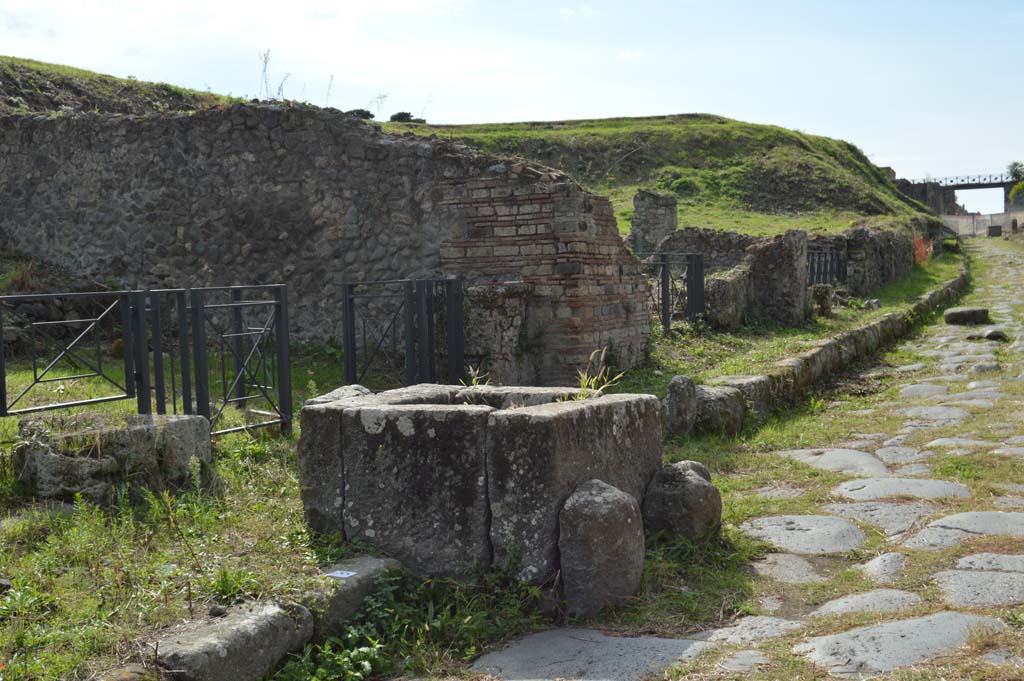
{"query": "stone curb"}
pixel 252 639
pixel 790 377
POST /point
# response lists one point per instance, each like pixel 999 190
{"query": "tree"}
pixel 405 117
pixel 1016 171
pixel 360 113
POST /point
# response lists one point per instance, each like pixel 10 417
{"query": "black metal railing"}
pixel 148 332
pixel 394 326
pixel 680 285
pixel 825 265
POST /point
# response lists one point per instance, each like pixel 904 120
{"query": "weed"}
pixel 596 377
pixel 232 586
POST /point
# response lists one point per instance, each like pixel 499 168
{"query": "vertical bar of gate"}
pixel 3 370
pixel 454 332
pixel 199 353
pixel 241 387
pixel 423 360
pixel 181 303
pixel 127 345
pixel 158 352
pixel 694 286
pixel 140 351
pixel 666 294
pixel 409 295
pixel 284 366
pixel 430 353
pixel 348 321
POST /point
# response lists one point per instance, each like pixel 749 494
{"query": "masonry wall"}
pixel 315 199
pixel 722 249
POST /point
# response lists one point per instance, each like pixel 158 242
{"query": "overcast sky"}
pixel 928 87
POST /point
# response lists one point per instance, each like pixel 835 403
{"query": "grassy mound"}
pixel 28 86
pixel 726 173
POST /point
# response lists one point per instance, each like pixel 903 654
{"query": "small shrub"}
pixel 231 586
pixel 597 377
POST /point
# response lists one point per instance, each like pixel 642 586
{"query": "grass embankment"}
pixel 727 174
pixel 29 86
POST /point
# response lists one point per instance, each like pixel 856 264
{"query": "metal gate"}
pixel 402 328
pixel 683 290
pixel 825 265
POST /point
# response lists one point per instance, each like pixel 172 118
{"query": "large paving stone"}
pixel 586 655
pixel 991 561
pixel 881 488
pixel 750 630
pixel 849 461
pixel 980 588
pixel 902 455
pixel 415 484
pixel 957 442
pixel 892 518
pixel 884 569
pixel 245 644
pixel 917 390
pixel 935 414
pixel 787 568
pixel 601 546
pixel 880 648
pixel 537 455
pixel 807 534
pixel 743 661
pixel 879 600
pixel 953 530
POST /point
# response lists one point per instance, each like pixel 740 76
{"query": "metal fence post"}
pixel 140 351
pixel 158 351
pixel 423 359
pixel 409 308
pixel 348 330
pixel 237 348
pixel 124 301
pixel 181 305
pixel 456 328
pixel 199 353
pixel 666 294
pixel 3 370
pixel 694 286
pixel 284 367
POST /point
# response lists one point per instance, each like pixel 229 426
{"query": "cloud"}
pixel 630 55
pixel 582 10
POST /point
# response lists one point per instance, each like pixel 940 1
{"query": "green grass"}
pixel 726 174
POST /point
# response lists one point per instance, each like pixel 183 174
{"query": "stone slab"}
pixel 881 488
pixel 850 461
pixel 992 561
pixel 243 645
pixel 743 661
pixel 807 534
pixel 348 584
pixel 935 414
pixel 955 529
pixel 879 648
pixel 957 442
pixel 902 455
pixel 892 518
pixel 922 390
pixel 586 655
pixel 787 568
pixel 980 588
pixel 750 630
pixel 879 600
pixel 884 569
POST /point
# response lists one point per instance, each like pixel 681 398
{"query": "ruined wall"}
pixel 315 199
pixel 722 250
pixel 655 216
pixel 941 200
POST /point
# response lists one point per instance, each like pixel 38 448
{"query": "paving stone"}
pixel 1016 440
pixel 750 630
pixel 970 404
pixel 913 470
pixel 879 648
pixel 743 661
pixel 922 390
pixel 849 461
pixel 1009 451
pixel 586 655
pixel 937 414
pixel 944 442
pixel 901 455
pixel 1010 502
pixel 953 530
pixel 884 569
pixel 896 441
pixel 892 518
pixel 980 588
pixel 1003 657
pixel 986 367
pixel 881 488
pixel 807 534
pixel 991 561
pixel 879 600
pixel 778 492
pixel 910 368
pixel 787 568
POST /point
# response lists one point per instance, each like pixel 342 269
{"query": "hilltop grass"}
pixel 726 174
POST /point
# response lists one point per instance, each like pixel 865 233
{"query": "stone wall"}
pixel 314 199
pixel 940 199
pixel 655 216
pixel 722 250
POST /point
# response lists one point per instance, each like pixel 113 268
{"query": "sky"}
pixel 931 88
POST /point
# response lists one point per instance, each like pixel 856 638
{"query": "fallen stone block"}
pixel 680 406
pixel 601 543
pixel 966 315
pixel 350 582
pixel 681 502
pixel 244 645
pixel 756 390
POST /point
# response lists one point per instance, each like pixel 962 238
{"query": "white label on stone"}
pixel 341 574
